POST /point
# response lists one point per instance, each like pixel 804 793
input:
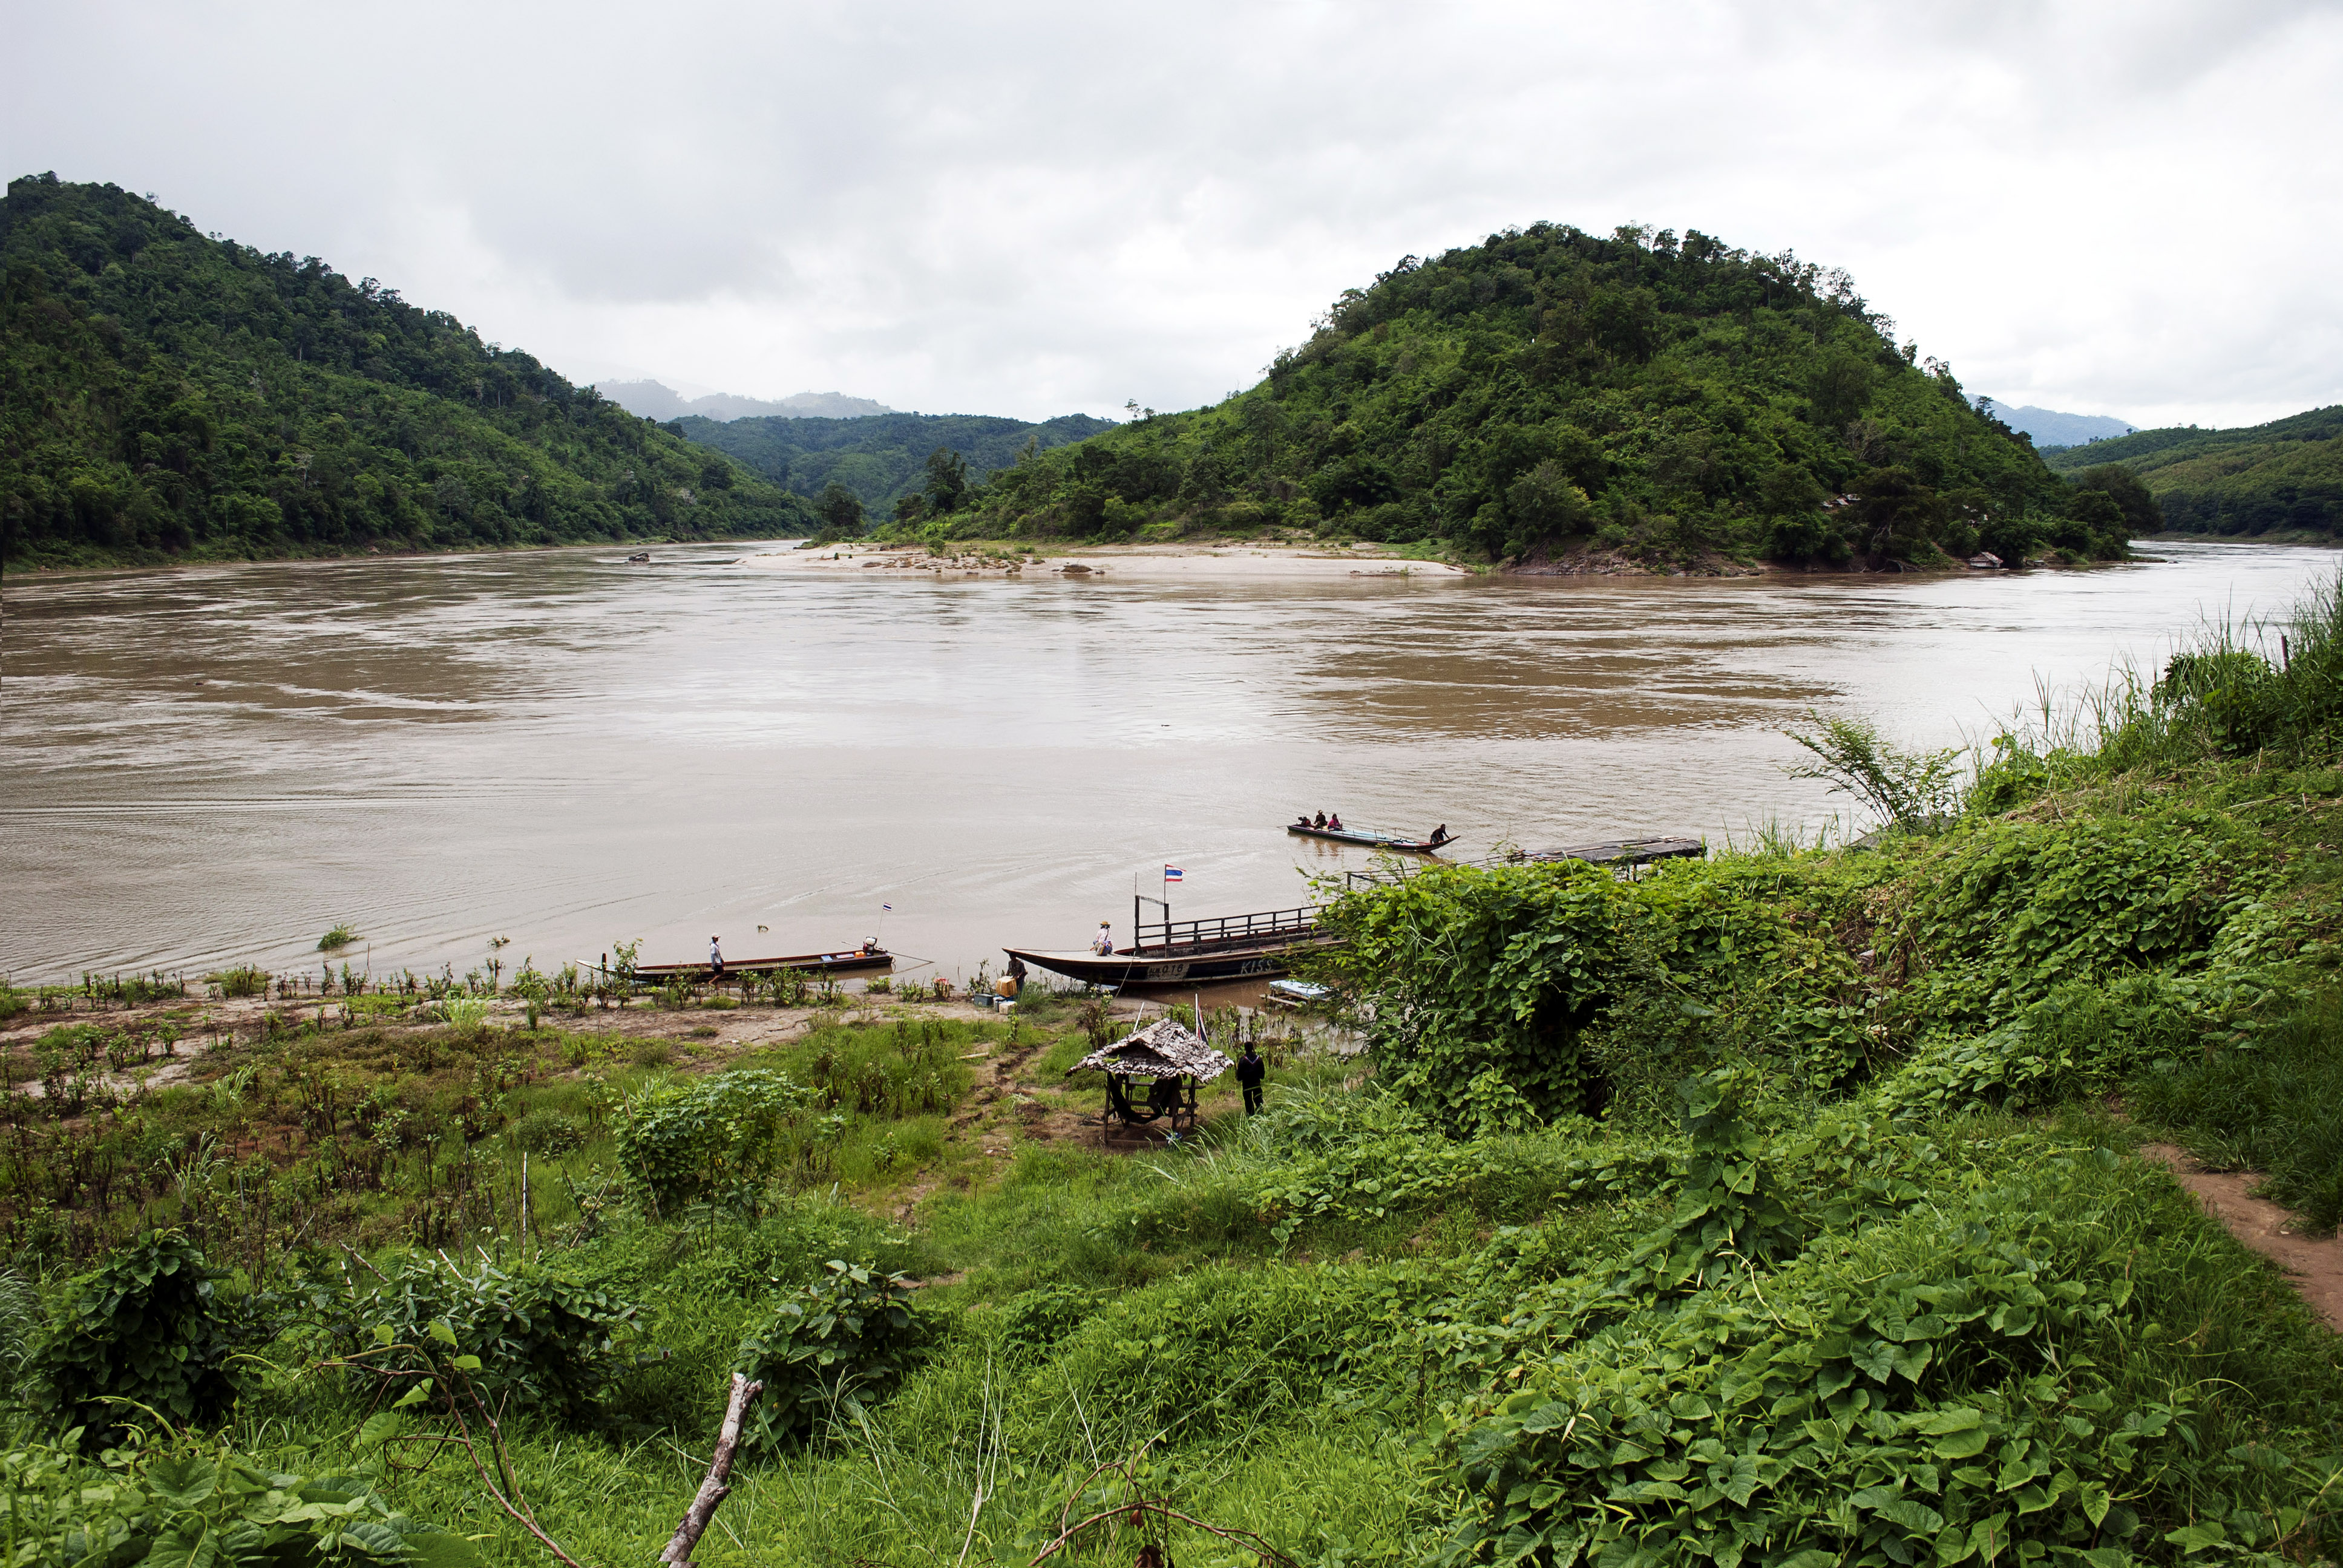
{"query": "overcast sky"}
pixel 1036 209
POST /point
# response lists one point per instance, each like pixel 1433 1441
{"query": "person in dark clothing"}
pixel 1439 835
pixel 1251 1070
pixel 1322 820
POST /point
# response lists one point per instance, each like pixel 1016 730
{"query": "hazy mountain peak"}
pixel 2051 429
pixel 655 400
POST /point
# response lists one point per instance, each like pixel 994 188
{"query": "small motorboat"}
pixel 643 558
pixel 866 957
pixel 1369 838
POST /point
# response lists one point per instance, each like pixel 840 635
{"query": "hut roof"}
pixel 1162 1050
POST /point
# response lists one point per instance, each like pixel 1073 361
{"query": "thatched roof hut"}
pixel 1162 1050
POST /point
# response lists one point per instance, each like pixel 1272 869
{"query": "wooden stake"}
pixel 719 1484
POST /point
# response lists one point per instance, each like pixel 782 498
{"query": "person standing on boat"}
pixel 1251 1070
pixel 715 959
pixel 1102 944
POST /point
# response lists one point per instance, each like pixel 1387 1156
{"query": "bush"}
pixel 839 1343
pixel 181 1510
pixel 685 1140
pixel 543 1343
pixel 143 1332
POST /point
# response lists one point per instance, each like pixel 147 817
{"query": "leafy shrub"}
pixel 543 1343
pixel 2079 1040
pixel 684 1138
pixel 175 1508
pixel 839 1343
pixel 545 1131
pixel 1035 1322
pixel 244 981
pixel 1469 970
pixel 142 1330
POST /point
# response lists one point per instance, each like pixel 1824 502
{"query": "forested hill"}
pixel 1549 388
pixel 166 395
pixel 881 458
pixel 2285 475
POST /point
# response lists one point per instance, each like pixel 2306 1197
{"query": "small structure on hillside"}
pixel 1169 1060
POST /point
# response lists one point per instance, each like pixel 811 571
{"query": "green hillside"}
pixel 2285 475
pixel 880 458
pixel 1550 388
pixel 163 395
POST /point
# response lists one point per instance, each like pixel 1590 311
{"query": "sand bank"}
pixel 1153 562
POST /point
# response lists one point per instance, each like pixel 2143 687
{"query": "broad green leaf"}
pixel 439 1330
pixel 182 1482
pixel 379 1428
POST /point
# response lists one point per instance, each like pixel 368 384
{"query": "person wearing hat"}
pixel 1102 944
pixel 715 959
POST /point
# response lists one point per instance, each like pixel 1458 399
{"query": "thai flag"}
pixel 1173 873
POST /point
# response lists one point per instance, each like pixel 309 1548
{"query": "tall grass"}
pixel 2276 1108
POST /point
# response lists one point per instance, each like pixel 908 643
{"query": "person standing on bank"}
pixel 1251 1070
pixel 715 960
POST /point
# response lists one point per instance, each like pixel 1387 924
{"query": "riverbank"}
pixel 1858 1163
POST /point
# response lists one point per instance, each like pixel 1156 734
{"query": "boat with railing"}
pixel 1165 951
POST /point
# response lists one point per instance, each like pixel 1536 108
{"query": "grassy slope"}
pixel 172 396
pixel 1548 388
pixel 1854 1261
pixel 882 458
pixel 2285 475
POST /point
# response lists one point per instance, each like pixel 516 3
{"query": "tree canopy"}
pixel 1550 389
pixel 2283 477
pixel 172 394
pixel 883 458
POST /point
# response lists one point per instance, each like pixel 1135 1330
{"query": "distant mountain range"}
pixel 2048 427
pixel 653 400
pixel 2285 475
pixel 881 458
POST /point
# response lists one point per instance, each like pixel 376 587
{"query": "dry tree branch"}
pixel 718 1482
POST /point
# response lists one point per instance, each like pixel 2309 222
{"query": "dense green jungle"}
pixel 1549 391
pixel 2285 478
pixel 882 460
pixel 1783 1209
pixel 166 395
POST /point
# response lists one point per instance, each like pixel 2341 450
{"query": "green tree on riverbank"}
pixel 171 396
pixel 1551 389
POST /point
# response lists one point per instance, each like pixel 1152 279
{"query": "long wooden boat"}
pixel 808 963
pixel 1370 838
pixel 1623 851
pixel 1224 947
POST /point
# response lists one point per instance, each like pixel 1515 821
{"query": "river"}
pixel 212 765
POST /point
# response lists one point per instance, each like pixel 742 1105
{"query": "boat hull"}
pixel 1368 840
pixel 805 963
pixel 1171 966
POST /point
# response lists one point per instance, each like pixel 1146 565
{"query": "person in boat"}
pixel 1102 944
pixel 715 959
pixel 1334 823
pixel 1322 820
pixel 1302 820
pixel 1439 835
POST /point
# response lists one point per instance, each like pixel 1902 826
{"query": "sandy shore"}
pixel 1225 562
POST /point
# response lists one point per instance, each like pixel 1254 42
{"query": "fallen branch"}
pixel 718 1482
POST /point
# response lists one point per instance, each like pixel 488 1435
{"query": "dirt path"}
pixel 2314 1265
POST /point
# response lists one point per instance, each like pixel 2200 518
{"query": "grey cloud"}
pixel 1034 207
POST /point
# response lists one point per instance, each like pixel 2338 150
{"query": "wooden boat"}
pixel 1226 947
pixel 808 963
pixel 1622 851
pixel 1370 838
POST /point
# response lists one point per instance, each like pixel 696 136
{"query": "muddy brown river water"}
pixel 216 764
